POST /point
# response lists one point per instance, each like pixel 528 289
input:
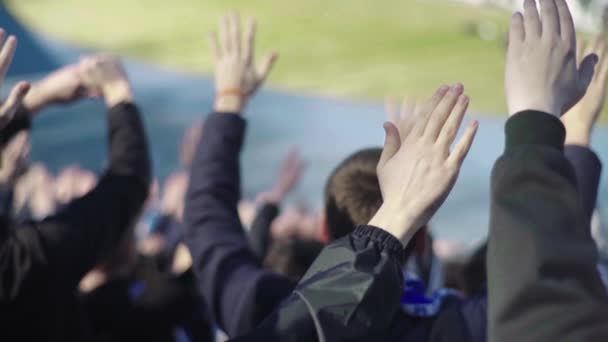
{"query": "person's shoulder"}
pixel 452 323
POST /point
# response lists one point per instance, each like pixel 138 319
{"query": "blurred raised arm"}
pixel 59 250
pixel 238 291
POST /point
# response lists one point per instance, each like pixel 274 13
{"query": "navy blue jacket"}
pixel 237 290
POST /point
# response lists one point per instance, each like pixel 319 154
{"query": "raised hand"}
pixel 581 119
pixel 237 77
pixel 541 70
pixel 65 85
pixel 14 159
pixel 104 75
pixel 9 107
pixel 289 176
pixel 417 170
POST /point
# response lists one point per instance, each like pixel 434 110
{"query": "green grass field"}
pixel 346 48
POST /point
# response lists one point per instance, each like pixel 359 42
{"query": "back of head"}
pixel 352 193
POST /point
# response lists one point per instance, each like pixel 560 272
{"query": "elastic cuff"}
pixel 123 107
pixel 269 209
pixel 232 115
pixel 532 127
pixel 383 239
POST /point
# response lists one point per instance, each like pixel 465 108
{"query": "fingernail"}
pixel 476 124
pixel 464 99
pixel 386 126
pixel 458 87
pixel 443 89
pixel 24 88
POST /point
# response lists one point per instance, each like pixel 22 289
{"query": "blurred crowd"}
pixel 121 256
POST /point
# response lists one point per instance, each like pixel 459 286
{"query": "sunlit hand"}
pixel 104 75
pixel 541 69
pixel 237 77
pixel 581 119
pixel 289 177
pixel 65 85
pixel 417 170
pixel 9 107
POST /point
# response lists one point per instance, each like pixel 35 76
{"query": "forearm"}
pixel 588 169
pixel 238 292
pixel 90 227
pixel 36 101
pixel 259 236
pixel 541 259
pixel 129 153
pixel 214 186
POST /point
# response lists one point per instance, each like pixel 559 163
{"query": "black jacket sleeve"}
pixel 260 238
pixel 542 278
pixel 20 122
pixel 61 249
pixel 350 293
pixel 587 170
pixel 238 291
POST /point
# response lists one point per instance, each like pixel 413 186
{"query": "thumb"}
pixel 585 71
pixel 14 99
pixel 265 66
pixel 392 142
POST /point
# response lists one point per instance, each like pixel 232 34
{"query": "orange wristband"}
pixel 231 92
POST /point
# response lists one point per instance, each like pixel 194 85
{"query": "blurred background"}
pixel 338 61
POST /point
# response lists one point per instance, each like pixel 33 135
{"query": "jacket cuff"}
pixel 532 127
pixel 387 242
pixel 117 112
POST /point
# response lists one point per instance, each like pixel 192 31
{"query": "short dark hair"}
pixel 352 193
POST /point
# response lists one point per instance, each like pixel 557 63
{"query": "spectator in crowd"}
pixel 238 291
pixel 268 203
pixel 550 289
pixel 42 262
pixel 72 268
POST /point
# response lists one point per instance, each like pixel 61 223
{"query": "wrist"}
pixel 36 100
pixel 229 103
pixel 549 107
pixel 117 92
pixel 577 135
pixel 395 221
pixel 271 197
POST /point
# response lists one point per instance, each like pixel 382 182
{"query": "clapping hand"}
pixel 417 169
pixel 581 119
